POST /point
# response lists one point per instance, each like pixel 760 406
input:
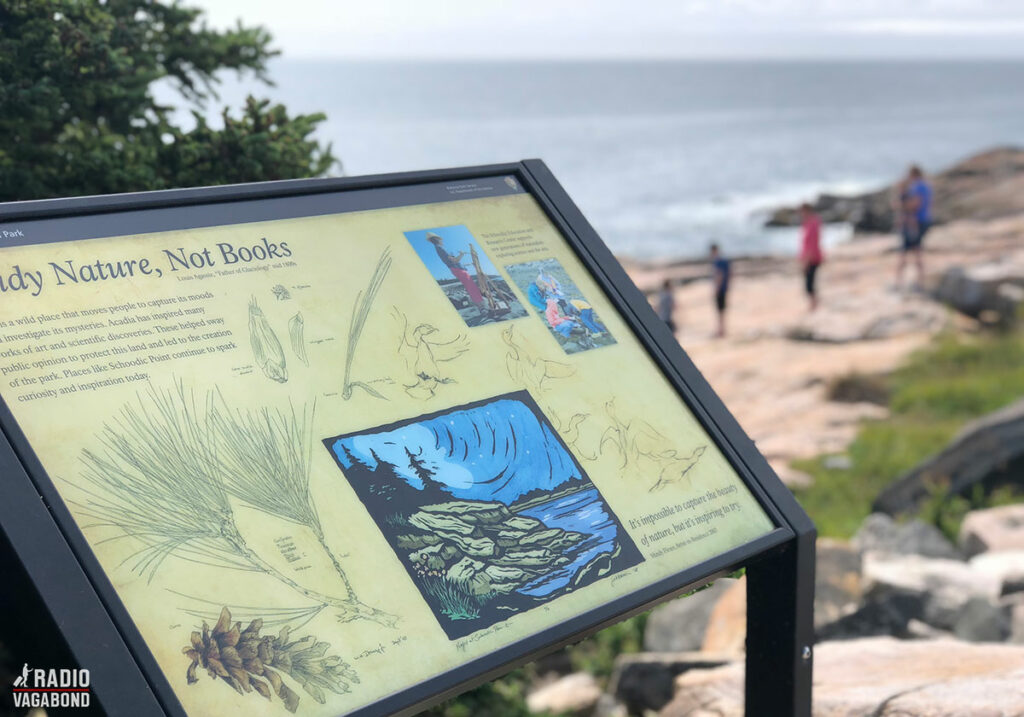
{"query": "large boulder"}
pixel 886 316
pixel 679 626
pixel 1005 566
pixel 994 529
pixel 880 677
pixel 574 694
pixel 645 681
pixel 988 451
pixel 933 590
pixel 838 589
pixel 1016 621
pixel 889 613
pixel 727 625
pixel 837 582
pixel 880 533
pixel 986 186
pixel 983 620
pixel 991 293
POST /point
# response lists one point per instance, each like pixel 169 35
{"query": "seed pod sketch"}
pixel 297 335
pixel 249 661
pixel 266 349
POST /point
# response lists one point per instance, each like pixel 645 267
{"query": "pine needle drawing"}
pixel 273 617
pixel 251 662
pixel 266 349
pixel 360 311
pixel 297 336
pixel 422 350
pixel 167 466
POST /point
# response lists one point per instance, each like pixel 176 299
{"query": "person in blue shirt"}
pixel 722 270
pixel 915 217
pixel 536 296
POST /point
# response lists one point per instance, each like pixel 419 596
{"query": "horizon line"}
pixel 1010 58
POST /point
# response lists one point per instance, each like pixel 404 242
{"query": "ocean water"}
pixel 584 512
pixel 662 157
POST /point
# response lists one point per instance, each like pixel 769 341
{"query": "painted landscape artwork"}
pixel 486 508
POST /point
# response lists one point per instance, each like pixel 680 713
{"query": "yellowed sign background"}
pixel 185 434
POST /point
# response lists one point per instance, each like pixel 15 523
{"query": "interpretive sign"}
pixel 349 446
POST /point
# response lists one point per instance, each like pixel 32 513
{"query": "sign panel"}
pixel 330 447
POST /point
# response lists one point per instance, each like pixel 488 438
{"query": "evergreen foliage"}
pixel 78 113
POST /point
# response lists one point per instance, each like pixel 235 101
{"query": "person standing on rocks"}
pixel 667 305
pixel 811 256
pixel 454 264
pixel 915 218
pixel 721 268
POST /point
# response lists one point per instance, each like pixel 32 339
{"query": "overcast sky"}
pixel 634 28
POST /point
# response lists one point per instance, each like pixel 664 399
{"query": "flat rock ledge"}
pixel 880 677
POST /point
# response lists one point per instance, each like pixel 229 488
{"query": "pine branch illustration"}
pixel 167 466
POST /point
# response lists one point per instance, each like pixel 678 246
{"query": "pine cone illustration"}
pixel 242 657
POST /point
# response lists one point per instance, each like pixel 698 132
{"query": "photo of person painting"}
pixel 466 275
pixel 556 299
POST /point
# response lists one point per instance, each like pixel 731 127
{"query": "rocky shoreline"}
pixel 906 622
pixel 989 185
pixel 778 367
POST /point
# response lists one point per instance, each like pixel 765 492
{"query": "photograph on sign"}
pixel 553 295
pixel 480 297
pixel 326 455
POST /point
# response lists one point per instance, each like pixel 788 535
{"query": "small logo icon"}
pixel 511 182
pixel 36 687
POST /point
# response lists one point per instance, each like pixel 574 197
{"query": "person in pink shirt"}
pixel 811 256
pixel 557 321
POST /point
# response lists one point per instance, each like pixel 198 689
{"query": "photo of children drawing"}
pixel 466 275
pixel 560 304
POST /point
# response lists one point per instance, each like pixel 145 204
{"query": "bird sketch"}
pixel 423 349
pixel 527 368
pixel 640 446
pixel 631 438
pixel 538 375
pixel 569 430
pixel 676 470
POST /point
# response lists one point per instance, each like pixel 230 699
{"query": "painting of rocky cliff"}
pixel 486 508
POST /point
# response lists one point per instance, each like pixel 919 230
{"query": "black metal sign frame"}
pixel 126 678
